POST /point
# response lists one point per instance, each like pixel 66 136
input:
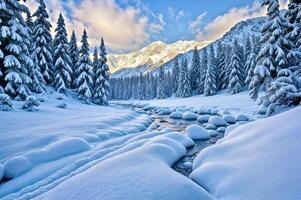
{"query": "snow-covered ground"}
pixel 237 103
pixel 92 152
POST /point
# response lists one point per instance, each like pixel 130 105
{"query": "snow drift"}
pixel 143 173
pixel 260 160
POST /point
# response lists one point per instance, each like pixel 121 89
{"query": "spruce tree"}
pixel 15 61
pixel 273 54
pixel 195 69
pixel 251 61
pixel 38 83
pixel 101 80
pixel 62 61
pixel 236 81
pixel 221 65
pixel 184 89
pixel 84 69
pixel 161 92
pixel 202 71
pixel 74 56
pixel 175 76
pixel 210 87
pixel 43 50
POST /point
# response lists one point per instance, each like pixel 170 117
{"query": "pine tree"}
pixel 62 61
pixel 74 56
pixel 221 65
pixel 282 92
pixel 210 87
pixel 38 83
pixel 236 81
pixel 43 51
pixel 96 66
pixel 195 69
pixel 84 69
pixel 161 92
pixel 101 81
pixel 251 61
pixel 15 60
pixel 175 76
pixel 273 54
pixel 184 89
pixel 227 68
pixel 202 71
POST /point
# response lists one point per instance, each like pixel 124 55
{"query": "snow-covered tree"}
pixel 84 69
pixel 161 92
pixel 251 61
pixel 62 61
pixel 43 51
pixel 195 69
pixel 227 68
pixel 221 65
pixel 236 79
pixel 202 71
pixel 15 60
pixel 273 53
pixel 38 83
pixel 101 81
pixel 74 56
pixel 282 92
pixel 210 87
pixel 184 89
pixel 175 76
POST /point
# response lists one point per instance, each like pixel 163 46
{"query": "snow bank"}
pixel 142 173
pixel 16 166
pixel 260 160
pixel 59 149
pixel 197 132
pixel 19 165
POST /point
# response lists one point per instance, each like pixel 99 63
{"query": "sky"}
pixel 129 25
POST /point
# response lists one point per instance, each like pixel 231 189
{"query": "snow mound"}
pixel 242 117
pixel 221 129
pixel 203 118
pixel 176 115
pixel 229 119
pixel 217 121
pixel 16 166
pixel 164 111
pixel 190 116
pixel 59 149
pixel 197 132
pixel 142 173
pixel 259 160
pixel 213 133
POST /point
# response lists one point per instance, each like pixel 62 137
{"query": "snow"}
pixel 1 172
pixel 236 104
pixel 176 115
pixel 229 119
pixel 16 166
pixel 259 160
pixel 203 118
pixel 242 117
pixel 210 126
pixel 197 132
pixel 217 121
pixel 189 116
pixel 142 173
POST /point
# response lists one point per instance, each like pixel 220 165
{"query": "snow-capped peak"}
pixel 152 56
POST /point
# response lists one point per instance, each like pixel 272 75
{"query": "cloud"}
pixel 221 24
pixel 175 14
pixel 195 26
pixel 124 28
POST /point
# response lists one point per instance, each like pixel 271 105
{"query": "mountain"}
pixel 164 54
pixel 150 57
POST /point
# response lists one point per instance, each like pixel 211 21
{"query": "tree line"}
pixel 31 60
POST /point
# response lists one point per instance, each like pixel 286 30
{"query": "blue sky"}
pixel 128 25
